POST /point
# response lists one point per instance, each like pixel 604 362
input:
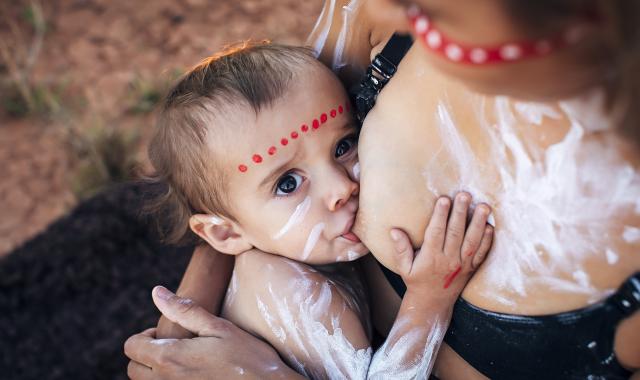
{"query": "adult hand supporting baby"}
pixel 219 350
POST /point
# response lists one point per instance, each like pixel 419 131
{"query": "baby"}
pixel 259 148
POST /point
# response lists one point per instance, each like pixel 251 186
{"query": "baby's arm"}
pixel 435 275
pixel 205 281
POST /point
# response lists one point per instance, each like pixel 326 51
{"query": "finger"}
pixel 475 232
pixel 457 224
pixel 188 314
pixel 143 348
pixel 404 251
pixel 485 247
pixel 137 371
pixel 434 234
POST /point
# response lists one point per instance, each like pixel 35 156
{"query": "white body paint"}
pixel 556 206
pixel 295 320
pixel 391 362
pixel 163 342
pixel 314 235
pixel 356 171
pixel 296 218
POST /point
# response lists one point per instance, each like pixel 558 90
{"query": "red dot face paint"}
pixel 272 150
pixel 450 277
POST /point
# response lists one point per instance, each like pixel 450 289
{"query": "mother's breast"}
pixel 564 198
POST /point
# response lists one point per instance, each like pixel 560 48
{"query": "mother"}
pixel 563 181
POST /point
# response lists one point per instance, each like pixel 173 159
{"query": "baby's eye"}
pixel 345 145
pixel 288 183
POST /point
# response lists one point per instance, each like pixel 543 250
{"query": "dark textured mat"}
pixel 71 296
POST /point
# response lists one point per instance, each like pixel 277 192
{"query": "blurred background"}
pixel 80 81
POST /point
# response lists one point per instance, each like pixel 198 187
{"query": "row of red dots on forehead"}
pixel 258 158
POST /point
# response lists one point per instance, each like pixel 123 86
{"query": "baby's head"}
pixel 259 149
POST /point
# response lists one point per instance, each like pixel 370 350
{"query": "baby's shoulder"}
pixel 266 285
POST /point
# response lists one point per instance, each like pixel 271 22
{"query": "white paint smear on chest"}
pixel 555 206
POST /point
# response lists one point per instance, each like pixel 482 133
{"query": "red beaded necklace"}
pixel 439 43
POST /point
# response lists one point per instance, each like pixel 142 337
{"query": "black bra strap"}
pixel 381 70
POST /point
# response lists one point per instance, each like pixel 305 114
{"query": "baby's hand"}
pixel 451 250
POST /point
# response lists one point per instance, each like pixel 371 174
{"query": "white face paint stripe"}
pixel 312 240
pixel 297 217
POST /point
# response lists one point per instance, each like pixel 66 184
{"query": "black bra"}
pixel 571 345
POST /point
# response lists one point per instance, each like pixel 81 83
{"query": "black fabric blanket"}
pixel 71 296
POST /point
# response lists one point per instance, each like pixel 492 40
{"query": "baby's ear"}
pixel 220 233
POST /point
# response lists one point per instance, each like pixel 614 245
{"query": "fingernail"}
pixel 491 220
pixel 395 235
pixel 443 202
pixel 162 292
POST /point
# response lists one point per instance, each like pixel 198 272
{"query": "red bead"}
pixel 257 158
pixel 242 168
pixel 284 142
pixel 333 113
pixel 304 128
pixel 340 109
pixel 323 118
pixel 272 151
pixel 316 124
pixel 294 135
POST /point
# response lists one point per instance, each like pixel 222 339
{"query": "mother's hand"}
pixel 220 349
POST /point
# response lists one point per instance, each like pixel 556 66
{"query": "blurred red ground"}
pixel 96 49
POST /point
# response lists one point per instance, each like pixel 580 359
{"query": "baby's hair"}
pixel 621 53
pixel 249 74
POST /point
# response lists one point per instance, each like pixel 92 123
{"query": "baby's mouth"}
pixel 348 234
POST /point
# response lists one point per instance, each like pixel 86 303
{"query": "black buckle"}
pixel 378 75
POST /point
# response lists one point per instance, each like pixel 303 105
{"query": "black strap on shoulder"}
pixel 381 70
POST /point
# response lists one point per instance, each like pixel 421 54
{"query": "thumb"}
pixel 187 313
pixel 404 251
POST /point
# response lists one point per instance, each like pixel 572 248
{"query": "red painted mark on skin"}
pixel 305 128
pixel 471 252
pixel 448 279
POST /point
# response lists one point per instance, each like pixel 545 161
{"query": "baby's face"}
pixel 292 173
